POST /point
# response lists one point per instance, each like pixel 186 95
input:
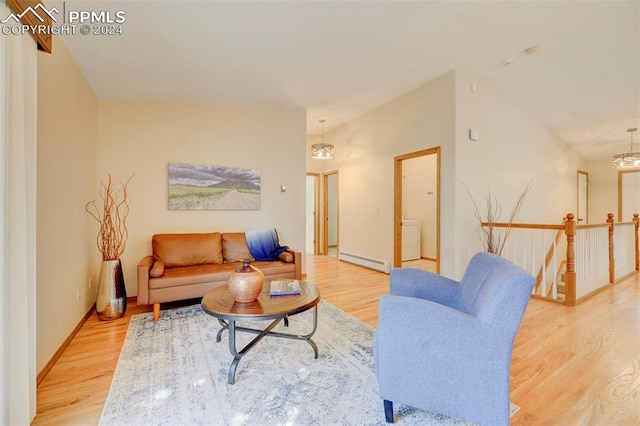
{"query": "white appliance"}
pixel 411 240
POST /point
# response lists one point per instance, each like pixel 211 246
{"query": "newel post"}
pixel 612 260
pixel 636 223
pixel 570 275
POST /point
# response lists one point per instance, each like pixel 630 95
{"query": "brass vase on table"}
pixel 111 302
pixel 245 283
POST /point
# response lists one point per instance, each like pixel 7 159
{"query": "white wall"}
pixel 629 202
pixel 67 131
pixel 142 138
pixel 603 191
pixel 364 153
pixel 513 144
pixel 514 148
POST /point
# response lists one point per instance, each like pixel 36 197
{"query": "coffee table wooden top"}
pixel 219 303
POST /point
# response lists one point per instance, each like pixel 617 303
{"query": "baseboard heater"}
pixel 367 263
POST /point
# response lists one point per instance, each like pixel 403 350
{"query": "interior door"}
pixel 583 197
pixel 312 219
pixel 330 240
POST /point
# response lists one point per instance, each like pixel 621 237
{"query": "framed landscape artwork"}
pixel 198 187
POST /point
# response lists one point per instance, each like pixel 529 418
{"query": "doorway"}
pixel 628 190
pixel 417 210
pixel 583 198
pixel 331 220
pixel 312 216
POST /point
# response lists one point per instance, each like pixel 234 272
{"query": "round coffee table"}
pixel 220 304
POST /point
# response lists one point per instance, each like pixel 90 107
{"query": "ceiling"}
pixel 340 59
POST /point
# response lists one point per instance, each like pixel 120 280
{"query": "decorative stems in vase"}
pixel 113 233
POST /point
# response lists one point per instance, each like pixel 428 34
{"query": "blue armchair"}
pixel 445 346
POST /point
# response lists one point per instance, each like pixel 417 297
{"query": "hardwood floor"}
pixel 570 366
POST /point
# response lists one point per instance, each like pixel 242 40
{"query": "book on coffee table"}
pixel 285 287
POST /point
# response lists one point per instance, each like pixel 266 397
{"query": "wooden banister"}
pixel 547 259
pixel 570 275
pixel 592 254
pixel 636 223
pixel 612 260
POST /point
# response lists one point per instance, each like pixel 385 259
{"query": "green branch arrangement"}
pixel 112 217
pixel 493 240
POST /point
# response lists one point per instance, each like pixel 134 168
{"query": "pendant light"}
pixel 628 160
pixel 322 151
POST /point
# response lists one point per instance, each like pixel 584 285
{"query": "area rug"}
pixel 174 373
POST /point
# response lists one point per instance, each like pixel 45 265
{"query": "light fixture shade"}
pixel 629 160
pixel 322 151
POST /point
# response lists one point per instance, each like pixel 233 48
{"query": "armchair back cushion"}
pixel 187 249
pixel 492 291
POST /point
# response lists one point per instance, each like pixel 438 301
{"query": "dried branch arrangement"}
pixel 112 218
pixel 493 240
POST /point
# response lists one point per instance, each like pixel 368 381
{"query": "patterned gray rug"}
pixel 174 373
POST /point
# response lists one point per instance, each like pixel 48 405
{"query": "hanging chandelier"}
pixel 322 151
pixel 628 160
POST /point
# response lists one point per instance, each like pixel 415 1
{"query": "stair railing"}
pixel 594 256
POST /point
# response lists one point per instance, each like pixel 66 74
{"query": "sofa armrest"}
pixel 143 279
pixel 297 261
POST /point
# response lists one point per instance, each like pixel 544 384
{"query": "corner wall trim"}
pixel 56 356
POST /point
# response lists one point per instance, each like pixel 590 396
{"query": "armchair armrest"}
pixel 424 285
pixel 144 267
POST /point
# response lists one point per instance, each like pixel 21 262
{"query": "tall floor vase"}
pixel 111 302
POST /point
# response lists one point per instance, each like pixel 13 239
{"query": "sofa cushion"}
pixel 234 247
pixel 197 274
pixel 187 249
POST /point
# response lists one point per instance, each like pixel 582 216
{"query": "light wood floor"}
pixel 571 366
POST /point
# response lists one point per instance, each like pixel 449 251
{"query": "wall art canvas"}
pixel 199 187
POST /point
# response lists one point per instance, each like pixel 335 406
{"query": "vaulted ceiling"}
pixel 341 59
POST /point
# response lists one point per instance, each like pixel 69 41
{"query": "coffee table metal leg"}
pixel 224 327
pixel 315 326
pixel 238 355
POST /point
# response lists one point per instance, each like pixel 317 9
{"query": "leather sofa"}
pixel 186 266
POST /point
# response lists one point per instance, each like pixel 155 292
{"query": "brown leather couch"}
pixel 186 266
